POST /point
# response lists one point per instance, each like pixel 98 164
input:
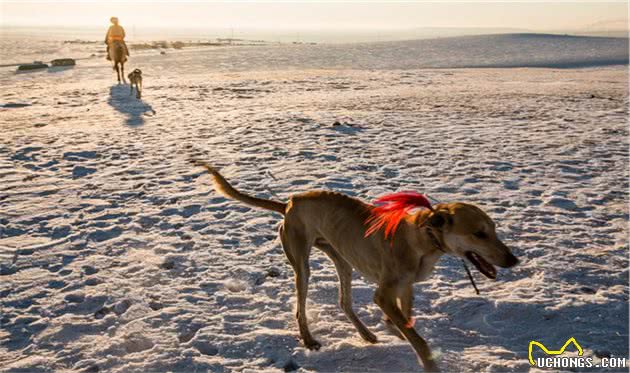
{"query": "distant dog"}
pixel 135 77
pixel 347 230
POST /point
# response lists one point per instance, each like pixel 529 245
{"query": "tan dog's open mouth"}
pixel 482 265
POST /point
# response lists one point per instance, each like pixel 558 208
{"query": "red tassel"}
pixel 391 209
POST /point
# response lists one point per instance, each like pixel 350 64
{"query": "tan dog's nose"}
pixel 510 261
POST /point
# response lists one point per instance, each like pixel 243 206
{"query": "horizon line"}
pixel 313 28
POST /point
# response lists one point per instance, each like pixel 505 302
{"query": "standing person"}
pixel 115 33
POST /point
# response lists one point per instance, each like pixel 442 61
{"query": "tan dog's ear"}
pixel 439 219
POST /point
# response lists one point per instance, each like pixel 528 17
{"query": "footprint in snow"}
pixel 562 203
pixel 137 343
pixel 80 171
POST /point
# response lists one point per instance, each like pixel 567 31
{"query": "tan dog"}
pixel 135 78
pixel 335 224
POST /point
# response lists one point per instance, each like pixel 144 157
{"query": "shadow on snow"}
pixel 134 109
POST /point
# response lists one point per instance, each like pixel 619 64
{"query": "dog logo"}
pixel 552 352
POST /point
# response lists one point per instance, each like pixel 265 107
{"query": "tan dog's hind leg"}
pixel 344 272
pixel 298 249
pixel 385 298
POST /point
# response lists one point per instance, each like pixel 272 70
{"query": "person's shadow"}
pixel 134 109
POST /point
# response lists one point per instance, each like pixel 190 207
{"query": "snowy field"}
pixel 117 255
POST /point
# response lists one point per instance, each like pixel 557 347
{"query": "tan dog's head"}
pixel 468 232
pixel 135 75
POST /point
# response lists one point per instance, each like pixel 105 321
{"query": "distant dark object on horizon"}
pixel 32 66
pixel 12 105
pixel 63 62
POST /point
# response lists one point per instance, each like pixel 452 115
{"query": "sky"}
pixel 318 15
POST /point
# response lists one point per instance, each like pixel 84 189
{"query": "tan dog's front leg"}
pixel 405 297
pixel 392 328
pixel 385 298
pixel 406 303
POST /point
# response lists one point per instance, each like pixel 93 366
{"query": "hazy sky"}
pixel 317 14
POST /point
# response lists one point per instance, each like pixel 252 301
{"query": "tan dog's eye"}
pixel 481 235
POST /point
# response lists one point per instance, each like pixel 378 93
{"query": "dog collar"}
pixel 435 240
pixel 440 247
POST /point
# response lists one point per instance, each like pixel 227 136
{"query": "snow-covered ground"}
pixel 116 254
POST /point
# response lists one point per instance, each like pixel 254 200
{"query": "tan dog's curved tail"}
pixel 223 187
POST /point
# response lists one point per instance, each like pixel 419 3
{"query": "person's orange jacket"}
pixel 115 32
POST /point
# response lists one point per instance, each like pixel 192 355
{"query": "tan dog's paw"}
pixel 192 159
pixel 312 345
pixel 369 337
pixel 430 366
